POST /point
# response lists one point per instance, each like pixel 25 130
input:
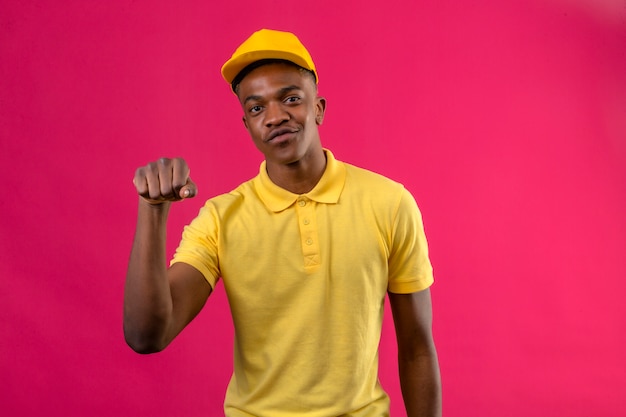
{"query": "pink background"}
pixel 506 119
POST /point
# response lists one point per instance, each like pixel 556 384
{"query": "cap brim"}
pixel 233 66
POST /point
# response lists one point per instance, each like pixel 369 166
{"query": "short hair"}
pixel 256 64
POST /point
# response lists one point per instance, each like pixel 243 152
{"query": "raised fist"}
pixel 164 180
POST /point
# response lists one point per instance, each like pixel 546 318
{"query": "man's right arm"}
pixel 159 302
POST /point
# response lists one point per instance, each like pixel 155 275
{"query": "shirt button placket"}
pixel 308 232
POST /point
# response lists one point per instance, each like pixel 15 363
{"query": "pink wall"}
pixel 507 120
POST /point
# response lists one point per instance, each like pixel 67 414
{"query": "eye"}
pixel 255 109
pixel 292 99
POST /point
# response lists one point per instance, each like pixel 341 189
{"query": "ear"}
pixel 245 122
pixel 320 108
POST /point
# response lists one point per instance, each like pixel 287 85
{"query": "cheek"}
pixel 313 120
pixel 255 132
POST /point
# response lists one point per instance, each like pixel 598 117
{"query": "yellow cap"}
pixel 268 44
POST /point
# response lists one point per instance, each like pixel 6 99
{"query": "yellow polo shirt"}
pixel 306 278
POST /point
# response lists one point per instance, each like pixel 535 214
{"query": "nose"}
pixel 275 114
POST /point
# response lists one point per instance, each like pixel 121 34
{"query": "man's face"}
pixel 282 112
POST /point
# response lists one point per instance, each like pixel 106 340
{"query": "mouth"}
pixel 278 133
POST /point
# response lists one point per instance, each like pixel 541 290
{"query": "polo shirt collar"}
pixel 327 190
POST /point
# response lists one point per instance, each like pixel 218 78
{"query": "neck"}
pixel 301 176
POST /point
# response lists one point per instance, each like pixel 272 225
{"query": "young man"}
pixel 307 251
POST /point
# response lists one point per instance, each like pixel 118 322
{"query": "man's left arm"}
pixel 420 379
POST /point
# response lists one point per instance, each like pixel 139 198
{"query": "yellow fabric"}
pixel 306 278
pixel 268 44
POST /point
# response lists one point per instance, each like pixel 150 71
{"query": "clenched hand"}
pixel 164 180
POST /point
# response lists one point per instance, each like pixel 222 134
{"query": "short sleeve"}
pixel 410 269
pixel 199 244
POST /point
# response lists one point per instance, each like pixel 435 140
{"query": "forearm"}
pixel 420 381
pixel 147 296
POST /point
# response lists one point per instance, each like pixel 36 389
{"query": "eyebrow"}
pixel 281 92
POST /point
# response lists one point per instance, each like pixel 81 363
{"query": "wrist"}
pixel 154 208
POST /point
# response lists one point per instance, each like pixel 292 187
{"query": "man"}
pixel 307 251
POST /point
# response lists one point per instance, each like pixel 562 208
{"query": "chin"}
pixel 288 153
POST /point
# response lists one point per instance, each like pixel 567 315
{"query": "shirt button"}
pixel 306 221
pixel 302 203
pixel 309 242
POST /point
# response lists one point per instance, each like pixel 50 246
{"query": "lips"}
pixel 278 132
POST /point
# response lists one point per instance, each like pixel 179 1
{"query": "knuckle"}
pixel 180 163
pixel 151 167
